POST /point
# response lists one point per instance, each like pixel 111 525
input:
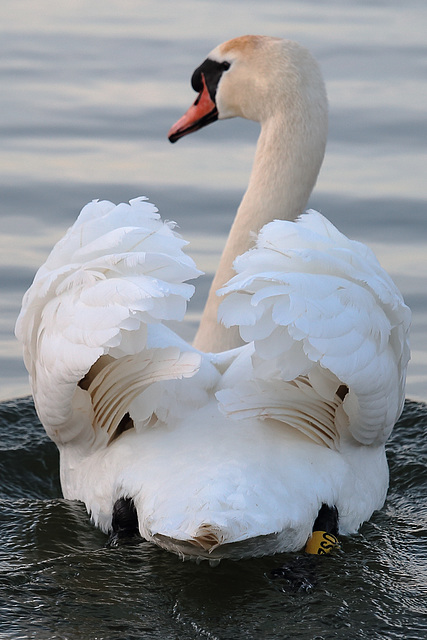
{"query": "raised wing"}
pixel 321 312
pixel 118 271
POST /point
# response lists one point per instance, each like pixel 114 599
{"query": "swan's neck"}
pixel 285 170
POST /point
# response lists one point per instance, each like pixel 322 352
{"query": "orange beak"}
pixel 200 114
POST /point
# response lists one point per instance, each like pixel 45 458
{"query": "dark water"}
pixel 59 580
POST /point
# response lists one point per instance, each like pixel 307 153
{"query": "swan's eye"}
pixel 226 65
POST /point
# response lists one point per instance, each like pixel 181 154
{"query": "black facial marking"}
pixel 212 72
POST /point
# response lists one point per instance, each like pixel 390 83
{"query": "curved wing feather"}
pixel 118 270
pixel 316 303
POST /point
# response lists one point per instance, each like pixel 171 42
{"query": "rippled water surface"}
pixel 58 579
pixel 89 91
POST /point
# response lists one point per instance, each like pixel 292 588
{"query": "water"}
pixel 58 580
pixel 92 88
pixel 89 93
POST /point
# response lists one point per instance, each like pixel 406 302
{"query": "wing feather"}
pixel 118 270
pixel 117 385
pixel 316 303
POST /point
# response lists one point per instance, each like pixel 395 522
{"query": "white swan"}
pixel 220 450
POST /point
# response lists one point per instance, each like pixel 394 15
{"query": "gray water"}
pixel 59 581
pixel 89 91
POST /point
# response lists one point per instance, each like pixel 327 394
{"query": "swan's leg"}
pixel 124 523
pixel 325 531
pixel 300 573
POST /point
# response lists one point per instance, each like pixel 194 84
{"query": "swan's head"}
pixel 253 77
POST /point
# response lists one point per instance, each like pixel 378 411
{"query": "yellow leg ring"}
pixel 321 542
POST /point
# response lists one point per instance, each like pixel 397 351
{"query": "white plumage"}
pixel 307 294
pixel 227 454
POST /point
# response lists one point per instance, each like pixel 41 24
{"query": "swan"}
pixel 275 420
